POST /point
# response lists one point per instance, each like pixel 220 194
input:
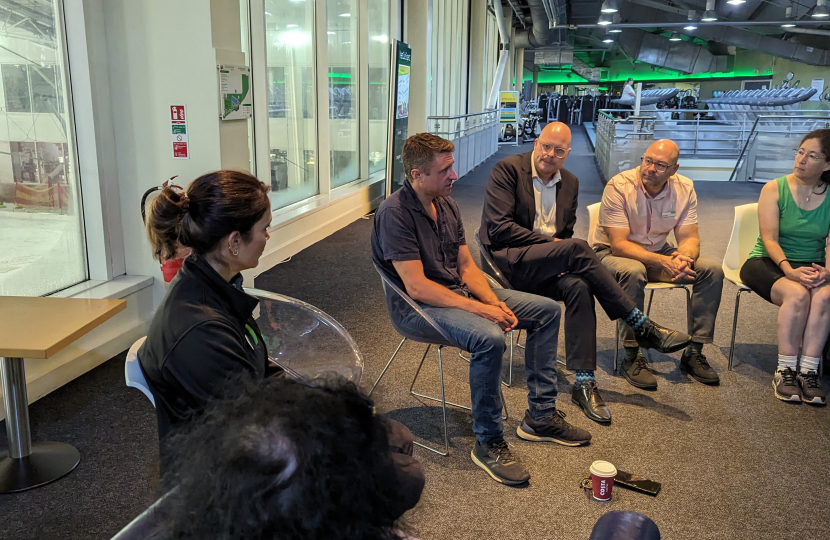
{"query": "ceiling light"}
pixel 608 38
pixel 675 37
pixel 709 15
pixel 789 17
pixel 291 26
pixel 735 2
pixel 692 18
pixel 294 38
pixel 605 19
pixel 820 11
pixel 615 30
pixel 609 6
pixel 345 14
pixel 381 38
pixel 330 33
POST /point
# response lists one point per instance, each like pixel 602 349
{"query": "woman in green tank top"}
pixel 787 266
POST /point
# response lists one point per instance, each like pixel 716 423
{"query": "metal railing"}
pixel 621 141
pixel 703 138
pixel 769 147
pixel 475 137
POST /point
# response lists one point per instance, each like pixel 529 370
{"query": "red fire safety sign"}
pixel 178 131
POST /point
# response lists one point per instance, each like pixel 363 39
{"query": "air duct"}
pixel 660 51
pixel 540 34
pixel 765 44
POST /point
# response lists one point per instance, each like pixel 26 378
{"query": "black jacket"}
pixel 510 206
pixel 202 334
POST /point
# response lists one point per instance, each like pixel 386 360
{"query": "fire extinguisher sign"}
pixel 178 131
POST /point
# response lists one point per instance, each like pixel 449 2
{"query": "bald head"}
pixel 551 150
pixel 557 130
pixel 665 150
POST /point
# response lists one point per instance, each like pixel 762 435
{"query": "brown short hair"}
pixel 419 152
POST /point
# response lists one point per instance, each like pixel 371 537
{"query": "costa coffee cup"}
pixel 602 480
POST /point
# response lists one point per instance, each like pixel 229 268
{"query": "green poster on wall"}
pixel 235 93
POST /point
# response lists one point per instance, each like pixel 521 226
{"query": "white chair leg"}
pixel 382 373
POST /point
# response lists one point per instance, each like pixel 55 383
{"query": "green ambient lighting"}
pixel 561 77
pixel 340 76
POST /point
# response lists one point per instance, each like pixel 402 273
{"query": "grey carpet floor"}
pixel 732 459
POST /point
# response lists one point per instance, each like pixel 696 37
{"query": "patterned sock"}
pixel 808 363
pixel 584 376
pixel 785 362
pixel 631 353
pixel 636 319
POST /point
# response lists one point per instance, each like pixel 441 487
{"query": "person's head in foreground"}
pixel 223 216
pixel 285 460
pixel 812 158
pixel 427 162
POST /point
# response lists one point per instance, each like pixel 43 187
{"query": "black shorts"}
pixel 761 273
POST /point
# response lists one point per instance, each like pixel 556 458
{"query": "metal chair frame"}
pixel 387 283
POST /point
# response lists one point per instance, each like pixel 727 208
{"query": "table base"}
pixel 47 462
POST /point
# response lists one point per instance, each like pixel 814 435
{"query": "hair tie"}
pixel 184 203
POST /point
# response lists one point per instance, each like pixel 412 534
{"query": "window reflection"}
pixel 291 100
pixel 342 32
pixel 379 51
pixel 42 245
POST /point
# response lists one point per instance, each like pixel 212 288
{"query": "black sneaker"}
pixel 811 391
pixel 696 365
pixel 785 385
pixel 665 340
pixel 637 374
pixel 496 458
pixel 554 429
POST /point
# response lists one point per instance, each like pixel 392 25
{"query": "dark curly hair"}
pixel 281 459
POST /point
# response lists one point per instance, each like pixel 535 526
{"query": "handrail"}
pixel 753 131
pixel 485 111
pixel 621 120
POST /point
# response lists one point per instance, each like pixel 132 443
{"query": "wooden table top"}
pixel 38 327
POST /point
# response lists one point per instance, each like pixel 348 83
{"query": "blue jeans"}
pixel 486 343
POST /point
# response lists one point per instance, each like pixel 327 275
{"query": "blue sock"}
pixel 584 376
pixel 636 319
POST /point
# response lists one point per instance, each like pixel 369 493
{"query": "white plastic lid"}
pixel 603 469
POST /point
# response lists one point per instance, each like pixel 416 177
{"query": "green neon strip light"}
pixel 561 77
pixel 340 76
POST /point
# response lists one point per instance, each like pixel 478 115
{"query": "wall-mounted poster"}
pixel 509 114
pixel 237 101
pixel 399 121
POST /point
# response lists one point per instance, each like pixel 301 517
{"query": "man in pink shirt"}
pixel 640 207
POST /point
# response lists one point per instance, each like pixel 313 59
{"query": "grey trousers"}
pixel 632 276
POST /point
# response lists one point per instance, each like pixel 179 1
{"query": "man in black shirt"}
pixel 418 241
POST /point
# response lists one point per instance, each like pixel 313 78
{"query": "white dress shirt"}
pixel 545 195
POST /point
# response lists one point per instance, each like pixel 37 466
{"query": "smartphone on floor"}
pixel 637 483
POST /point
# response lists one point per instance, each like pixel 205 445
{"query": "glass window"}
pixel 379 51
pixel 289 31
pixel 343 40
pixel 16 88
pixel 42 244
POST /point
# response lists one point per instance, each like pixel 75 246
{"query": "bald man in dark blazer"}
pixel 527 226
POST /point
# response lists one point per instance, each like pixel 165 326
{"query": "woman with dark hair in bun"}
pixel 203 333
pixel 788 267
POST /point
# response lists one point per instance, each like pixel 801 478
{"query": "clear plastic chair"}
pixel 745 230
pixel 398 302
pixel 498 280
pixel 593 222
pixel 304 340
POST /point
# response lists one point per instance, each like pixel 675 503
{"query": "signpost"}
pixel 509 113
pixel 236 98
pixel 398 115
